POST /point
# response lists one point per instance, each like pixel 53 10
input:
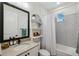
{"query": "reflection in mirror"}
pixel 15 22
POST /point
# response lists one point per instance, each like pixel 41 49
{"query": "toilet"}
pixel 44 52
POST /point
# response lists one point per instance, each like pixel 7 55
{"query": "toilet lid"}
pixel 44 52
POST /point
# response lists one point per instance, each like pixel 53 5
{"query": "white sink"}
pixel 25 43
pixel 21 47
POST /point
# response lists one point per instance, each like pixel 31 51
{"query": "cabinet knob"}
pixel 28 53
pixel 25 54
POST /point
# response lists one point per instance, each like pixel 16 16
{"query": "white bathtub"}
pixel 62 50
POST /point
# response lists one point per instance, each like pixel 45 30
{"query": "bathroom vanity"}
pixel 28 48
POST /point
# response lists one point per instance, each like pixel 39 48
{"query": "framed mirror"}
pixel 15 22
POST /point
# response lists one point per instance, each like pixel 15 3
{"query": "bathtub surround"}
pixel 62 50
pixel 67 31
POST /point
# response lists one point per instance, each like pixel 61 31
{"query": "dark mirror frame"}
pixel 2 21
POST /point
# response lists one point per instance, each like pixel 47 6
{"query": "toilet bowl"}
pixel 44 52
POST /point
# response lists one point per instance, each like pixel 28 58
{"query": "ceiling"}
pixel 50 5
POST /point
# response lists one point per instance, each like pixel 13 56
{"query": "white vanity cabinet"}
pixel 28 48
pixel 31 52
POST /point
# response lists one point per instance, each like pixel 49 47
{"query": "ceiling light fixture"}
pixel 58 3
pixel 26 4
pixel 33 17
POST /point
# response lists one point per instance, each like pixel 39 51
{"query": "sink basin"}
pixel 21 47
pixel 21 44
pixel 25 43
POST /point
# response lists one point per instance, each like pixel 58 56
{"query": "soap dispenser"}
pixel 19 41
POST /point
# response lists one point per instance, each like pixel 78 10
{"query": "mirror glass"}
pixel 15 22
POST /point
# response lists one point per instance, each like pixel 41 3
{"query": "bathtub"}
pixel 62 50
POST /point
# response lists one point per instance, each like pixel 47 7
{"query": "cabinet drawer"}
pixel 31 52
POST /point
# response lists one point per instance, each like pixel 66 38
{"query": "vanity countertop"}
pixel 18 49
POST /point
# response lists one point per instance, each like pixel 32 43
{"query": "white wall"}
pixel 32 8
pixel 49 39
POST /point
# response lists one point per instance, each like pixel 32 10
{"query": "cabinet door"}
pixel 32 52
